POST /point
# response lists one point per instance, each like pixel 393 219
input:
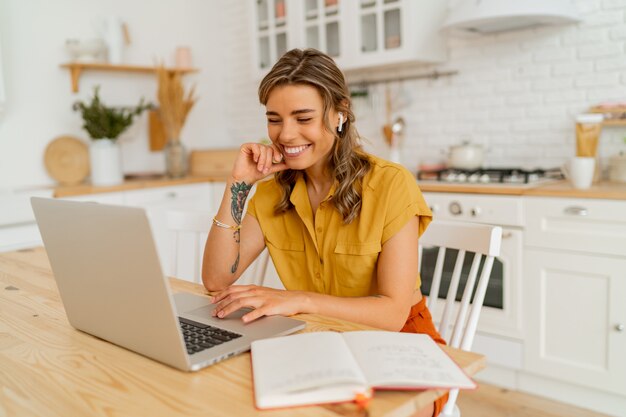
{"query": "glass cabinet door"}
pixel 322 24
pixel 380 25
pixel 271 31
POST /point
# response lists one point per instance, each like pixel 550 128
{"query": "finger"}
pixel 254 147
pixel 253 315
pixel 277 167
pixel 218 296
pixel 262 157
pixel 268 160
pixel 278 155
pixel 232 298
pixel 252 302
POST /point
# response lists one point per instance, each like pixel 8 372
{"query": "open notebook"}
pixel 329 367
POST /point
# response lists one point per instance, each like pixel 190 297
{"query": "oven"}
pixel 501 313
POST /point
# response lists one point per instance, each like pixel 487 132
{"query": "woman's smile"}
pixel 294 151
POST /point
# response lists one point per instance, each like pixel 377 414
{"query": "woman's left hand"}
pixel 265 301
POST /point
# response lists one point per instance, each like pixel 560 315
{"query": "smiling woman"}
pixel 341 226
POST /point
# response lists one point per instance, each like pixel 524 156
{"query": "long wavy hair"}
pixel 347 162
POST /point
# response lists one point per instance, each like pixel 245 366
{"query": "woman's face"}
pixel 295 123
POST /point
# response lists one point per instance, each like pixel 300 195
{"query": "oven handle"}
pixel 576 211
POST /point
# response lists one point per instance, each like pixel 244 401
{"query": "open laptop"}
pixel 109 277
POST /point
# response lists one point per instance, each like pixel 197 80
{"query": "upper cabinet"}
pixel 273 28
pixel 356 33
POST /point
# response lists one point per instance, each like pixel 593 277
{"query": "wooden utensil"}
pixel 67 160
pixel 156 132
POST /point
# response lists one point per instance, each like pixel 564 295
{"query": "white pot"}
pixel 466 156
pixel 106 162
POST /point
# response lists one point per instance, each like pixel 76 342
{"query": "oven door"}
pixel 501 310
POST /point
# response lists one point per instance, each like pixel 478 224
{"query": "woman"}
pixel 341 226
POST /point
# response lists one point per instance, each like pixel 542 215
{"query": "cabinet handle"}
pixel 620 327
pixel 507 235
pixel 171 194
pixel 576 211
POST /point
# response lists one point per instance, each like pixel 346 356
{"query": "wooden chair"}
pixel 189 230
pixel 482 240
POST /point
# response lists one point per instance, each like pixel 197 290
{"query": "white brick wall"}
pixel 516 92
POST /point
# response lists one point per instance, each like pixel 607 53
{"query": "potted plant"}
pixel 104 125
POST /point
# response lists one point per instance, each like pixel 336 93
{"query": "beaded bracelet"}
pixel 225 226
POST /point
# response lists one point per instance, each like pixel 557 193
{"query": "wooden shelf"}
pixel 616 111
pixel 76 69
pixel 614 122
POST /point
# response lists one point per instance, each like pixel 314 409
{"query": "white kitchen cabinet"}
pixel 18 229
pixel 357 34
pixel 158 201
pixel 574 318
pixel 386 32
pixel 575 288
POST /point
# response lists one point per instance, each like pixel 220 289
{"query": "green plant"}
pixel 102 122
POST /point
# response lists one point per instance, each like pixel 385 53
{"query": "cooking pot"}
pixel 466 156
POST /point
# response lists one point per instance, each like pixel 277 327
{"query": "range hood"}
pixel 490 16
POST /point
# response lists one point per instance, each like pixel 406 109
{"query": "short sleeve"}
pixel 251 210
pixel 404 200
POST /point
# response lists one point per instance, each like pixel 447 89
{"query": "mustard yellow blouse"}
pixel 323 254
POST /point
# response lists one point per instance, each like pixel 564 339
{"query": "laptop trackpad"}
pixel 206 311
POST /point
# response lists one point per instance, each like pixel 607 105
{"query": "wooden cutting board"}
pixel 212 162
pixel 67 160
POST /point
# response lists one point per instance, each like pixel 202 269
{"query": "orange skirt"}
pixel 420 321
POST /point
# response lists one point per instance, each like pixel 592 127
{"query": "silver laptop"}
pixel 109 276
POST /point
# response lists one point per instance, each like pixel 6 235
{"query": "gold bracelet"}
pixel 225 226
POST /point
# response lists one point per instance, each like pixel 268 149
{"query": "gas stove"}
pixel 506 176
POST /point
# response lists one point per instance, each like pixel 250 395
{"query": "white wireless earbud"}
pixel 340 127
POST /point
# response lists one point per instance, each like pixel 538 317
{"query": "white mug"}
pixel 579 170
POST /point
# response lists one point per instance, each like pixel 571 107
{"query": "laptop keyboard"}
pixel 199 336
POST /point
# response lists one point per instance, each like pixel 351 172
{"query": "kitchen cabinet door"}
pixel 273 31
pixel 575 318
pixel 396 32
pixel 358 34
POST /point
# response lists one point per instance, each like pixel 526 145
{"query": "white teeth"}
pixel 295 149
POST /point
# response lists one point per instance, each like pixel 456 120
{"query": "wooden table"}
pixel 47 368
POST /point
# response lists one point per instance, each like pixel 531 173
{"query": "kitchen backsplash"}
pixel 515 92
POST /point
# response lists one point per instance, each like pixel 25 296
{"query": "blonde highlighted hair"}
pixel 347 162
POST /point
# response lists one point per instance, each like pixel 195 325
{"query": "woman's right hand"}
pixel 256 161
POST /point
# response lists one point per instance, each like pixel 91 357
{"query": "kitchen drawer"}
pixel 591 226
pixel 201 193
pixel 102 198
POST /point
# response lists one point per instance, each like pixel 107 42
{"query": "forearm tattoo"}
pixel 239 193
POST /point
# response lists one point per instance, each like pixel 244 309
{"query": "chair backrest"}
pixel 482 240
pixel 189 230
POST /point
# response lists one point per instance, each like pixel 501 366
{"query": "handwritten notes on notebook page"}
pixel 322 367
